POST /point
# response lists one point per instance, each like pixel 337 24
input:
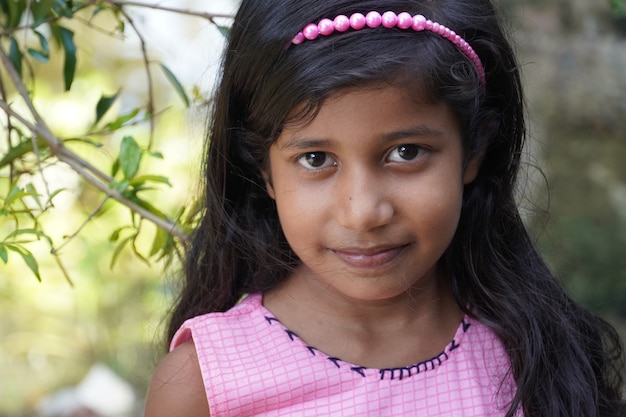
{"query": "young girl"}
pixel 360 252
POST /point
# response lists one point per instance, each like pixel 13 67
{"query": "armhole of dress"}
pixel 181 336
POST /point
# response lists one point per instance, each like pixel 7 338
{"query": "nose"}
pixel 364 200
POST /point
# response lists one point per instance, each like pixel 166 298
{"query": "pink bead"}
pixel 405 20
pixel 373 19
pixel 357 21
pixel 389 19
pixel 436 27
pixel 418 22
pixel 311 31
pixel 341 23
pixel 326 27
pixel 428 25
pixel 298 39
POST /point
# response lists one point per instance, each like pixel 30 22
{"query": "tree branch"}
pixel 146 64
pixel 203 15
pixel 87 171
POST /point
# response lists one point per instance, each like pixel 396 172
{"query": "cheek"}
pixel 437 210
pixel 296 211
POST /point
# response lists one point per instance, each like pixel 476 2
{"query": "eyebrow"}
pixel 302 143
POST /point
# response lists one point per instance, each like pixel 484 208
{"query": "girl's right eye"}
pixel 315 160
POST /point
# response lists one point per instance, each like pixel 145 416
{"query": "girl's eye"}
pixel 315 160
pixel 404 153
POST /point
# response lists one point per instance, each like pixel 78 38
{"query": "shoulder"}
pixel 176 388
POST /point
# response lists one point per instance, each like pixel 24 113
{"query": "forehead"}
pixel 375 110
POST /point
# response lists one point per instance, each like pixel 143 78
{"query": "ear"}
pixel 268 184
pixel 472 166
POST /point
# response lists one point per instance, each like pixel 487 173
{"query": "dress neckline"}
pixel 398 373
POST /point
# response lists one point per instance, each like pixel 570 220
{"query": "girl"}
pixel 360 251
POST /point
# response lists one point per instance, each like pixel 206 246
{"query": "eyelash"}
pixel 408 147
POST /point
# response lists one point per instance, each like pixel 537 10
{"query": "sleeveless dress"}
pixel 253 366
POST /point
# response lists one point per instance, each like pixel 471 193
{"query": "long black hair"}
pixel 565 361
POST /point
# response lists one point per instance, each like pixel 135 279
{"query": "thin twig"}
pixel 204 15
pixel 69 238
pixel 63 270
pixel 9 126
pixel 146 63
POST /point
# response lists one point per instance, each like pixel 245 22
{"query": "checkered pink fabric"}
pixel 253 366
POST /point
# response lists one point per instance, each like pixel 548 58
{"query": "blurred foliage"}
pixel 573 56
pixel 618 7
pixel 585 239
pixel 97 160
pixel 36 38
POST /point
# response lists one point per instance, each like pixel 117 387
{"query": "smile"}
pixel 375 257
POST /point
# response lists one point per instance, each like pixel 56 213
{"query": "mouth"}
pixel 373 257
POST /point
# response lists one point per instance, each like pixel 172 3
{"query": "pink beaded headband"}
pixel 389 19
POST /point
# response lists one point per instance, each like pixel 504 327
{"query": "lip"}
pixel 369 257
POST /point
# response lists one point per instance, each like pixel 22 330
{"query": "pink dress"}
pixel 253 366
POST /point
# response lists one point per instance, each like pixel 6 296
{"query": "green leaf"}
pixel 28 258
pixel 43 54
pixel 176 84
pixel 16 193
pixel 54 194
pixel 4 255
pixel 104 104
pixel 119 186
pixel 115 236
pixel 224 30
pixel 119 122
pixel 137 181
pixel 41 12
pixel 20 150
pixel 159 242
pixel 15 11
pixel 118 249
pixel 21 232
pixel 38 55
pixel 30 189
pixel 115 168
pixel 69 66
pixel 15 56
pixel 63 8
pixel 87 141
pixel 130 157
pixel 143 203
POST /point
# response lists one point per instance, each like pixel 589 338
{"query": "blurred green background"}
pixel 51 333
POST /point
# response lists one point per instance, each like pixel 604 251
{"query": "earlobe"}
pixel 472 166
pixel 268 184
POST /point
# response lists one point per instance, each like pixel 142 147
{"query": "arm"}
pixel 177 388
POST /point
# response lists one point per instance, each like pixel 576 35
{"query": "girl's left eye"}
pixel 315 160
pixel 404 153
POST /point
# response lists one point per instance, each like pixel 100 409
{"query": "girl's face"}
pixel 369 192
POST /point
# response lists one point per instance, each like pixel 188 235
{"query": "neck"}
pixel 431 297
pixel 420 321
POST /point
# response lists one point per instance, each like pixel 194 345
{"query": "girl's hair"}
pixel 565 361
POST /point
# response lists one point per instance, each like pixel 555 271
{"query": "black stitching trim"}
pixel 335 361
pixel 359 370
pixel 409 371
pixel 466 325
pixel 391 373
